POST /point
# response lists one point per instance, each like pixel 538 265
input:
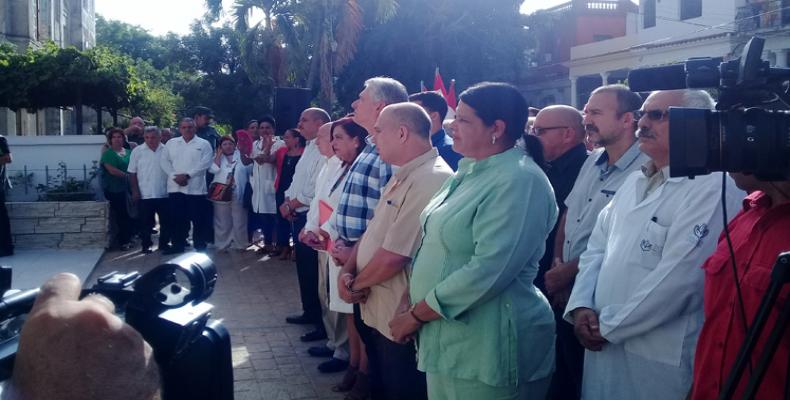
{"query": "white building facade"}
pixel 29 23
pixel 672 31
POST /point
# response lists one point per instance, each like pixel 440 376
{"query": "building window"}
pixel 690 9
pixel 649 13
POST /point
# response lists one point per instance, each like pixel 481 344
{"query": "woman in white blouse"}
pixel 264 172
pixel 230 218
pixel 346 140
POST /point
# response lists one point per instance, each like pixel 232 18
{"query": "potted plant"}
pixel 62 187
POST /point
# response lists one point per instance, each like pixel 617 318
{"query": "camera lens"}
pixel 753 141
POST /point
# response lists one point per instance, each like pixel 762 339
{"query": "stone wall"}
pixel 64 225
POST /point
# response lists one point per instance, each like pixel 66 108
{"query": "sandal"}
pixel 361 389
pixel 348 380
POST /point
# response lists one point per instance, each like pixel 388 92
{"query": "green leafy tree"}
pixel 469 40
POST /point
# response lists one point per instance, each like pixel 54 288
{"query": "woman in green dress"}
pixel 115 184
pixel 484 331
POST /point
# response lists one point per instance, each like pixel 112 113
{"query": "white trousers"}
pixel 230 225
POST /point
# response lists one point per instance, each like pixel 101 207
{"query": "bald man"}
pixel 379 262
pixel 561 132
pixel 294 208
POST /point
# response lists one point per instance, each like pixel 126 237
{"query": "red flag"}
pixel 451 102
pixel 438 84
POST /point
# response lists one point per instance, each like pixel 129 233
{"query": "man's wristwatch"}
pixel 414 315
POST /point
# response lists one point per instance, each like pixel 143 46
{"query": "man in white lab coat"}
pixel 636 305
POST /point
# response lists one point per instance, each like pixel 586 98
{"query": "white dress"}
pixel 332 176
pixel 230 219
pixel 262 180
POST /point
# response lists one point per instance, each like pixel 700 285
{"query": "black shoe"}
pixel 172 250
pixel 320 351
pixel 333 365
pixel 298 319
pixel 313 336
pixel 145 250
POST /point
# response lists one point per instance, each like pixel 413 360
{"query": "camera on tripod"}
pixel 167 306
pixel 748 132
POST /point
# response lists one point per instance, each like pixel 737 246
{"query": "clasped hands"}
pixel 181 179
pixel 587 329
pixel 345 286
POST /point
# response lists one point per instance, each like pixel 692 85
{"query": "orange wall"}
pixel 587 26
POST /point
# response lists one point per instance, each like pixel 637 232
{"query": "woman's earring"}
pixel 493 139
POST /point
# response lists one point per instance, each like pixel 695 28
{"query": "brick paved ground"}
pixel 253 296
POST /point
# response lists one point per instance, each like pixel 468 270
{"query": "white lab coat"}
pixel 642 274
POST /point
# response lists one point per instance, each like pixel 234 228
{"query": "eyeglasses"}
pixel 542 130
pixel 653 115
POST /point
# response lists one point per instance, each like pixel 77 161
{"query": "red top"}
pixel 279 156
pixel 759 234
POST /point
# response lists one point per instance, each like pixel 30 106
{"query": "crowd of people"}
pixel 509 257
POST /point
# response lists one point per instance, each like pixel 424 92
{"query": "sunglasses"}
pixel 542 130
pixel 653 115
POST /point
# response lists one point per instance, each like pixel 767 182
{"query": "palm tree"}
pixel 301 42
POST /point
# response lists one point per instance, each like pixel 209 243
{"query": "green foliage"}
pixel 55 77
pixel 469 40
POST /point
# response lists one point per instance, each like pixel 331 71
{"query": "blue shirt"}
pixel 444 144
pixel 361 193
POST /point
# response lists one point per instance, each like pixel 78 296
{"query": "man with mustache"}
pixel 636 305
pixel 610 123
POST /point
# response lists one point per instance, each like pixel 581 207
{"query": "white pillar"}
pixel 781 58
pixel 574 91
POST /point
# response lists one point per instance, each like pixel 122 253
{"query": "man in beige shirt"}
pixel 376 274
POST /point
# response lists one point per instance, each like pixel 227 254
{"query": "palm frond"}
pixel 386 9
pixel 347 34
pixel 214 8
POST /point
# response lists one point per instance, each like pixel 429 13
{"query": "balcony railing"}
pixel 771 14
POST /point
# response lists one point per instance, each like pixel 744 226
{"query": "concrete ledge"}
pixel 58 225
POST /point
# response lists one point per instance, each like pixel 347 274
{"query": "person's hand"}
pixel 560 276
pixel 311 239
pixel 285 210
pixel 344 284
pixel 586 328
pixel 560 299
pixel 181 179
pixel 135 196
pixel 78 349
pixel 340 252
pixel 403 327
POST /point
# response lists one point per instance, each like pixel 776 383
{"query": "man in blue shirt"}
pixel 436 107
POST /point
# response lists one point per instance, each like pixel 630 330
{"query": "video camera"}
pixel 166 305
pixel 750 129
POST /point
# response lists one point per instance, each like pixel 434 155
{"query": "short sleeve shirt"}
pixel 594 188
pixel 396 228
pixel 112 183
pixel 151 178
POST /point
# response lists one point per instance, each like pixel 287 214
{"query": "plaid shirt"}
pixel 361 193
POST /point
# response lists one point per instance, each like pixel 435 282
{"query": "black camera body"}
pixel 748 132
pixel 193 352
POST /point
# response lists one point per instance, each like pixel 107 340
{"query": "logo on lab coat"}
pixel 698 233
pixel 646 245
